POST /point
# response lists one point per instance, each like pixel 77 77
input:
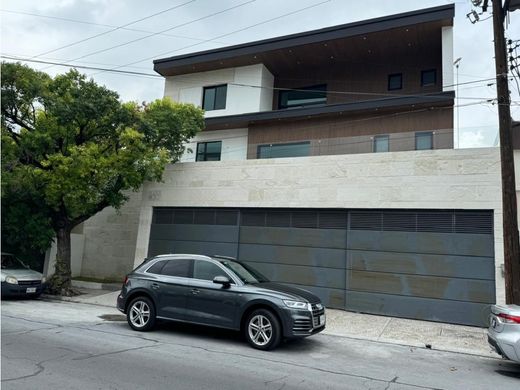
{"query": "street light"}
pixel 456 64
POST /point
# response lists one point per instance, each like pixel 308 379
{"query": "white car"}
pixel 18 279
pixel 504 331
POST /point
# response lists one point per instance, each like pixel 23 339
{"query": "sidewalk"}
pixel 413 333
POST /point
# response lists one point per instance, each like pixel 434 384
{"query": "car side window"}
pixel 206 270
pixel 180 268
pixel 156 268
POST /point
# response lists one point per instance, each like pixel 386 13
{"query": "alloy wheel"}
pixel 139 314
pixel 260 330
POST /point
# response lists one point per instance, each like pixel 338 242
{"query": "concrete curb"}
pixel 96 285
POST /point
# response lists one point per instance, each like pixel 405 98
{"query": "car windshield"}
pixel 246 273
pixel 11 262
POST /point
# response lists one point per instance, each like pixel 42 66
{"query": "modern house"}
pixel 327 162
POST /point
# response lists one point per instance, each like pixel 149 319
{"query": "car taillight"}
pixel 126 280
pixel 509 319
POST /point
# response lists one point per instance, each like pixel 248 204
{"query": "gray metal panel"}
pixel 471 290
pixel 182 232
pixel 293 255
pixel 330 297
pixel 457 312
pixel 322 238
pixel 159 247
pixel 197 247
pixel 434 243
pixel 309 276
pixel 423 264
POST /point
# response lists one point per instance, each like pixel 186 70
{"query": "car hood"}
pixel 290 292
pixel 21 274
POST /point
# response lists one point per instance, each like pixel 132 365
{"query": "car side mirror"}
pixel 223 280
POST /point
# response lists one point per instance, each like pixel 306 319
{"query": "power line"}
pixel 104 25
pixel 114 29
pixel 163 31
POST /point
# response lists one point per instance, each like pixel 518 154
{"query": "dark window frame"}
pixel 214 105
pixel 419 133
pixel 424 72
pixel 319 88
pixel 258 148
pixel 382 136
pixel 392 75
pixel 205 152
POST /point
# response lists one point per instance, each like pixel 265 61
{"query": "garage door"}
pixel 424 264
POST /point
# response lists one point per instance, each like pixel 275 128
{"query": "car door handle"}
pixel 195 291
pixel 155 286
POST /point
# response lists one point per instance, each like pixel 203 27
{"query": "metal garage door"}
pixel 435 265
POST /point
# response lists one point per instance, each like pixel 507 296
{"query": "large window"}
pixel 297 149
pixel 424 140
pixel 381 143
pixel 395 81
pixel 180 267
pixel 214 98
pixel 209 151
pixel 305 96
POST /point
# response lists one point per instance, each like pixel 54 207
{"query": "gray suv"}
pixel 222 292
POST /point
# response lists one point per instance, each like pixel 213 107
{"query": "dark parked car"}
pixel 221 292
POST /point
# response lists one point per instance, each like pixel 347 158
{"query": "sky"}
pixel 49 30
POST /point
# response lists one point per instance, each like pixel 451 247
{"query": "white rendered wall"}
pixel 234 144
pixel 436 179
pixel 252 95
pixel 447 59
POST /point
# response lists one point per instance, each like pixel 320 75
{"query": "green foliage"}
pixel 70 148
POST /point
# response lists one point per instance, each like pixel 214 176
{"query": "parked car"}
pixel 504 331
pixel 221 292
pixel 18 279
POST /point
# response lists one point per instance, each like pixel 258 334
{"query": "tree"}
pixel 70 148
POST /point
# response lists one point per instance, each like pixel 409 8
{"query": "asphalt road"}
pixel 62 345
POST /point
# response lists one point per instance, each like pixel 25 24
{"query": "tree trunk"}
pixel 60 282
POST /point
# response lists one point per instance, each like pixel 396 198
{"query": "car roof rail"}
pixel 224 257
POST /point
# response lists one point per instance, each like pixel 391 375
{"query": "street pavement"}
pixel 64 345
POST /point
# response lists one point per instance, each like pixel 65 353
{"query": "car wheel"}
pixel 263 330
pixel 141 314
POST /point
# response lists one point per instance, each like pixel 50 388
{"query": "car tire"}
pixel 263 330
pixel 141 314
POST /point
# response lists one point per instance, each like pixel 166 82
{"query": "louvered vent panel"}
pixel 399 221
pixel 332 220
pixel 474 222
pixel 162 216
pixel 437 222
pixel 305 219
pixel 204 217
pixel 227 217
pixel 183 217
pixel 278 219
pixel 366 220
pixel 253 218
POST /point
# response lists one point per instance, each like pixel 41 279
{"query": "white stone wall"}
pixel 249 89
pixel 234 144
pixel 453 179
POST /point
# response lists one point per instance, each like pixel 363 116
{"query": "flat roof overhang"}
pixel 252 52
pixel 412 102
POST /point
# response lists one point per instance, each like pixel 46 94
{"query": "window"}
pixel 304 96
pixel 206 270
pixel 179 268
pixel 428 77
pixel 209 151
pixel 424 140
pixel 381 143
pixel 395 81
pixel 214 98
pixel 156 268
pixel 298 149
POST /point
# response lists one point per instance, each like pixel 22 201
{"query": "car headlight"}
pixel 296 304
pixel 11 280
pixel 44 279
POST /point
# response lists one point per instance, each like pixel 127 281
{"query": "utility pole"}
pixel 509 209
